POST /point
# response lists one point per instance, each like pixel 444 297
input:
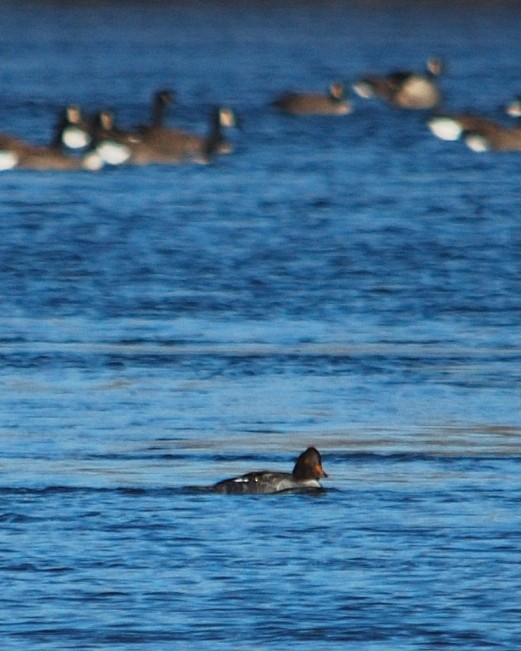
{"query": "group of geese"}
pixel 90 142
pixel 83 142
pixel 416 91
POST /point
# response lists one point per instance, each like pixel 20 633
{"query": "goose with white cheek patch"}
pixel 479 133
pixel 304 103
pixel 403 88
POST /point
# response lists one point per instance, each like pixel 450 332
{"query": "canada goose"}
pixel 406 90
pixel 72 130
pixel 479 133
pixel 334 103
pixel 453 127
pixel 114 145
pixel 206 147
pixel 16 153
pixel 157 141
pixel 179 142
pixel 501 139
pixel 158 144
pixel 185 146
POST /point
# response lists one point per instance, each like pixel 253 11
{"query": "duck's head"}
pixel 309 465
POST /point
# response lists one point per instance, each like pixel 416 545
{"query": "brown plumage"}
pixel 158 143
pixel 334 103
pixel 27 156
pixel 479 133
pixel 184 145
pixel 406 90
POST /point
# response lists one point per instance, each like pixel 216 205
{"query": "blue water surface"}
pixel 350 283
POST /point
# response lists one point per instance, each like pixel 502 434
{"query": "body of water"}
pixel 350 283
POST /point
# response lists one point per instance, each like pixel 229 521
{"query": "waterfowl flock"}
pixel 83 142
pixel 91 142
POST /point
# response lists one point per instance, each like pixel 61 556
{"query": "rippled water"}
pixel 351 283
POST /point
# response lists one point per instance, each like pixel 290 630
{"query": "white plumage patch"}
pixel 363 89
pixel 93 162
pixel 477 143
pixel 113 153
pixel 445 128
pixel 75 138
pixel 8 160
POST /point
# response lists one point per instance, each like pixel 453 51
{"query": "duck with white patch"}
pixel 305 477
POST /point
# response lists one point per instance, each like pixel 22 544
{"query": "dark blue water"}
pixel 350 283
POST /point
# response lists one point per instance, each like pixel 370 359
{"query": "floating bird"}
pixel 403 89
pixel 114 145
pixel 479 133
pixel 334 103
pixel 305 476
pixel 183 144
pixel 162 145
pixel 72 130
pixel 16 153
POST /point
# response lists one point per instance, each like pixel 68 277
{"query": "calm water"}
pixel 350 283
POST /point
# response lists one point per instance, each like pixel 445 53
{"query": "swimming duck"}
pixel 305 476
pixel 404 89
pixel 334 103
pixel 479 133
